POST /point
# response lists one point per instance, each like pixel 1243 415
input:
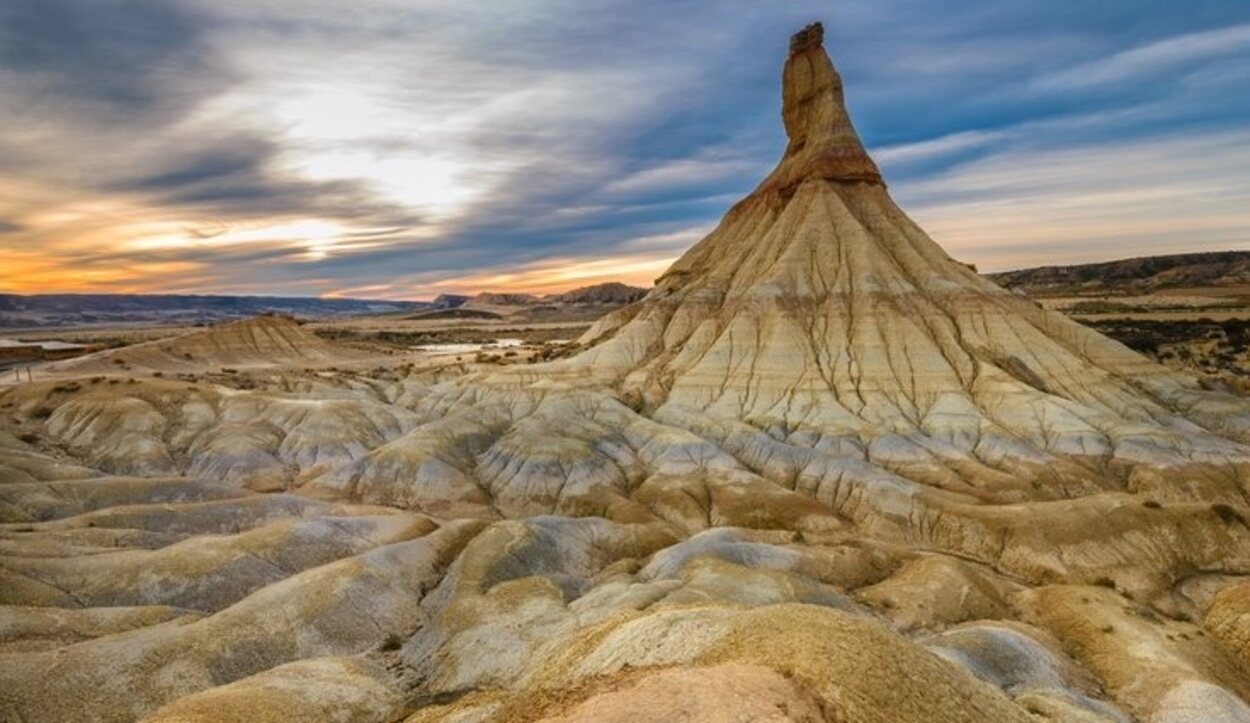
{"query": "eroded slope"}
pixel 820 473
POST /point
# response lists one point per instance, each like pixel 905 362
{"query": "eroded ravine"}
pixel 821 465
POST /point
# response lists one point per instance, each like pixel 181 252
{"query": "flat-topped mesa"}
pixel 823 142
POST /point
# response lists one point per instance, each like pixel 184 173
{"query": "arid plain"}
pixel 820 472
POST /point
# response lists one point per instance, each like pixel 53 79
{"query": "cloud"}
pixel 1148 196
pixel 121 57
pixel 936 147
pixel 553 275
pixel 1150 59
pixel 679 175
pixel 267 146
pixel 670 243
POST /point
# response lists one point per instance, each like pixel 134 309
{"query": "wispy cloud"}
pixel 405 148
pixel 1156 195
pixel 936 147
pixel 678 175
pixel 1150 59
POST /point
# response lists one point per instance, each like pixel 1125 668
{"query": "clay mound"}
pixel 263 439
pixel 818 361
pixel 261 341
pixel 821 316
pixel 500 303
pixel 611 293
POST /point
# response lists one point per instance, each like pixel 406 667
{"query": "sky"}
pixel 407 148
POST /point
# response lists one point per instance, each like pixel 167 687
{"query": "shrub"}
pixel 1227 514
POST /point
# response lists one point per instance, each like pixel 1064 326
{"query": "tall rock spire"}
pixel 823 142
pixel 818 304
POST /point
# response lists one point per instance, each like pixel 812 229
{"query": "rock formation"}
pixel 1134 275
pixel 582 304
pixel 262 341
pixel 820 472
pixel 611 293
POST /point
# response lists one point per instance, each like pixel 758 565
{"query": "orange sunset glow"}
pixel 235 148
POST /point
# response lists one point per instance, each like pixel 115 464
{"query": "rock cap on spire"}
pixel 812 36
pixel 823 142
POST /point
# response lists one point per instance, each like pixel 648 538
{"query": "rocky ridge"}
pixel 263 341
pixel 1134 275
pixel 585 303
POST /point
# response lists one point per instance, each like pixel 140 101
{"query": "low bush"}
pixel 1228 514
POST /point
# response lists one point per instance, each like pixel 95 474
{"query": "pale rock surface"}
pixel 821 472
pixel 732 693
pixel 261 341
pixel 335 690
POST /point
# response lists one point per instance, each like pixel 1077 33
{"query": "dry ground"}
pixel 1203 330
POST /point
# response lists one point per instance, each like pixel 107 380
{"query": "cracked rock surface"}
pixel 821 472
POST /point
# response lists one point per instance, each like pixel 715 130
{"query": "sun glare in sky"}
pixel 401 150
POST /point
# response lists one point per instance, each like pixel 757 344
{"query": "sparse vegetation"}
pixel 465 335
pixel 1228 514
pixel 1218 350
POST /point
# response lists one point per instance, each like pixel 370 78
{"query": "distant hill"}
pixel 74 310
pixel 585 303
pixel 450 301
pixel 493 298
pixel 1135 275
pixel 610 293
pixel 266 340
pixel 59 310
pixel 453 313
